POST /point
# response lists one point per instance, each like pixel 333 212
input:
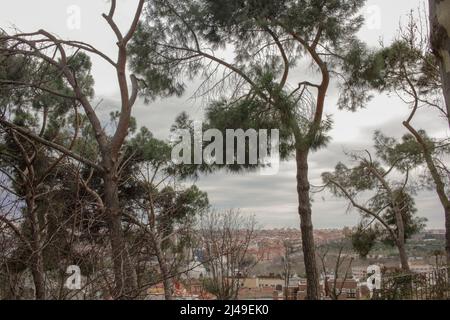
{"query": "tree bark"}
pixel 306 226
pixel 403 256
pixel 167 282
pixel 440 43
pixel 37 259
pixel 124 273
pixel 400 241
pixel 37 271
pixel 439 186
pixel 447 236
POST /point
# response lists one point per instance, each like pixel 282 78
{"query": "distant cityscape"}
pixel 267 280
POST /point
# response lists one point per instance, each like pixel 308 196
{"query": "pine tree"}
pixel 269 41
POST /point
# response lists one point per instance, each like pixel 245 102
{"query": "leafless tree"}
pixel 225 238
pixel 343 263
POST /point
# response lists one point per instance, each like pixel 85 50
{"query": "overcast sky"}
pixel 271 198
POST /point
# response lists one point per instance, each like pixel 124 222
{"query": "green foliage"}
pixel 337 18
pixel 403 61
pixel 53 181
pixel 178 206
pixel 406 154
pixel 160 78
pixel 363 240
pixel 183 38
pixel 406 203
pixel 408 61
pixel 354 180
pixel 153 185
pixel 249 114
pixel 146 148
pixel 372 181
pixel 364 70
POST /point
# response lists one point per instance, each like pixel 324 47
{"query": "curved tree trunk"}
pixel 439 186
pixel 306 226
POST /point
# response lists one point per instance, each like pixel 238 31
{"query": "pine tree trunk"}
pixel 167 283
pixel 400 241
pixel 37 271
pixel 403 256
pixel 124 273
pixel 447 237
pixel 306 226
pixel 440 42
pixel 166 278
pixel 439 185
